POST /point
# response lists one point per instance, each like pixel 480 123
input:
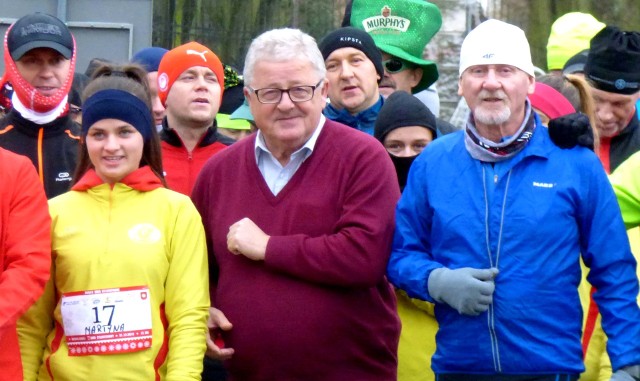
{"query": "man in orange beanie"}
pixel 190 86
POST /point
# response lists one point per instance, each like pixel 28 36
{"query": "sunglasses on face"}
pixel 396 65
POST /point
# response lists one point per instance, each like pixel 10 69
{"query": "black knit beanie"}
pixel 613 61
pixel 402 109
pixel 349 37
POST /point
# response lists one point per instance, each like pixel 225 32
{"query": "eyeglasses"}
pixel 396 65
pixel 297 94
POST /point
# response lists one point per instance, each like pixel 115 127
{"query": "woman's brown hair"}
pixel 132 79
pixel 578 93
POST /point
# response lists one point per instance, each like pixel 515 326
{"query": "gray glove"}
pixel 468 290
pixel 628 373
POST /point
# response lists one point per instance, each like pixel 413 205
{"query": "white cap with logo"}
pixel 496 42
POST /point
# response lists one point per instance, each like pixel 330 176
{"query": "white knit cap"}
pixel 495 42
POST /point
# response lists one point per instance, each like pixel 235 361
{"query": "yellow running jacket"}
pixel 626 185
pixel 128 297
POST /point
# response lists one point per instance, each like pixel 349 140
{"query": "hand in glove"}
pixel 468 290
pixel 570 130
pixel 628 373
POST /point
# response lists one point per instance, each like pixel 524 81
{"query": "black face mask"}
pixel 402 165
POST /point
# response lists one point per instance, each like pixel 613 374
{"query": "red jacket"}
pixel 25 252
pixel 181 167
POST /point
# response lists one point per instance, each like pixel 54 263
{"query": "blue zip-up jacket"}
pixel 363 121
pixel 531 216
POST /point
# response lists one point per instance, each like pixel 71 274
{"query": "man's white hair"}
pixel 281 45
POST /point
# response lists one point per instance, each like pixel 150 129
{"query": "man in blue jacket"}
pixel 354 69
pixel 491 227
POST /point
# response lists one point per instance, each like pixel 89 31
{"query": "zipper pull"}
pixel 495 179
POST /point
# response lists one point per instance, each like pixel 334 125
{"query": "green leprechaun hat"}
pixel 401 28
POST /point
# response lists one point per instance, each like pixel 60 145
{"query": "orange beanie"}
pixel 179 59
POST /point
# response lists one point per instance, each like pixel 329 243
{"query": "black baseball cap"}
pixel 39 30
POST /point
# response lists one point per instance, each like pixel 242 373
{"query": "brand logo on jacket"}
pixel 543 185
pixel 64 176
pixel 144 233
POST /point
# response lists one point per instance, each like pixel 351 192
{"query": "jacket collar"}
pixel 142 179
pixel 364 118
pixel 540 145
pixel 57 126
pixel 170 136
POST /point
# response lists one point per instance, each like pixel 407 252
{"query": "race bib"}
pixel 109 321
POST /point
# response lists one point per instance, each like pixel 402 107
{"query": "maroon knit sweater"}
pixel 319 306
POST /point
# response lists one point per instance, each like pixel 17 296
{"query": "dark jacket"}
pixel 52 148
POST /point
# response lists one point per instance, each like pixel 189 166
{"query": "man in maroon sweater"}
pixel 299 220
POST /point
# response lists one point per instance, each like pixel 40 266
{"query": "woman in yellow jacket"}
pixel 626 185
pixel 405 126
pixel 128 295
